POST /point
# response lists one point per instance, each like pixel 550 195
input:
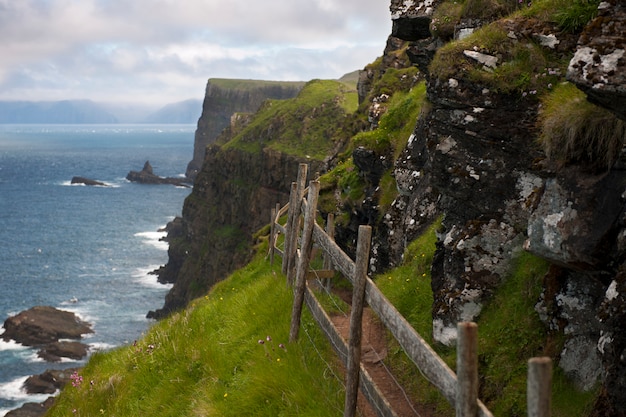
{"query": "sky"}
pixel 164 51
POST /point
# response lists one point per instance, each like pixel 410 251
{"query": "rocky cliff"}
pixel 484 157
pixel 222 99
pixel 518 146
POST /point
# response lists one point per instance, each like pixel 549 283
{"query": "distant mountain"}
pixel 187 111
pixel 55 112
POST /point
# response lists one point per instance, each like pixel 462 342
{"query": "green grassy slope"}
pixel 225 355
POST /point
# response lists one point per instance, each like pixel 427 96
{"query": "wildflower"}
pixel 277 359
pixel 282 346
pixel 261 341
pixel 76 379
pixel 225 394
pixel 269 339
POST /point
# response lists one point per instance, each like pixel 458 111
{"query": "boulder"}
pixel 42 325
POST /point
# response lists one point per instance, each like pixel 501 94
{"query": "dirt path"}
pixel 373 353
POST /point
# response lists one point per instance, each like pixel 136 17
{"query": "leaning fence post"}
pixel 539 388
pixel 304 259
pixel 356 320
pixel 467 370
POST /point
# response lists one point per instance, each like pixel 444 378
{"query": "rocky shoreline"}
pixel 56 334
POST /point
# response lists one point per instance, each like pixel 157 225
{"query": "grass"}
pixel 244 85
pixel 576 131
pixel 209 360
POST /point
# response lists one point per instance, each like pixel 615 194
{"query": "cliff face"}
pixel 222 99
pixel 474 158
pixel 241 180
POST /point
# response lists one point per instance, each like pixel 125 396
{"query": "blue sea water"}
pixel 82 248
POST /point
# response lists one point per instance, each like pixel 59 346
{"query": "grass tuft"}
pixel 576 131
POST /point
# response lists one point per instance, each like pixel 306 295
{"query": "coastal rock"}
pixel 147 176
pixel 32 409
pixel 53 352
pixel 87 181
pixel 48 382
pixel 42 325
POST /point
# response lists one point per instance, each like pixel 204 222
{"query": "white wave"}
pixel 11 345
pixel 146 278
pixel 154 239
pixel 32 357
pixel 14 391
pixel 101 347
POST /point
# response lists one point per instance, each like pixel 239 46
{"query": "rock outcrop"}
pixel 147 176
pixel 42 324
pixel 224 98
pixel 43 327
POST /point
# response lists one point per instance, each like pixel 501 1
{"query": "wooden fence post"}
pixel 304 259
pixel 356 319
pixel 288 232
pixel 294 221
pixel 539 388
pixel 328 263
pixel 467 370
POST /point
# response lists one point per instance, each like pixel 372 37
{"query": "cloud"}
pixel 129 51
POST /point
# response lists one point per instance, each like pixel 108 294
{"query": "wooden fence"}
pixel 460 389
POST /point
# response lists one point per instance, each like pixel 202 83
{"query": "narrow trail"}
pixel 374 351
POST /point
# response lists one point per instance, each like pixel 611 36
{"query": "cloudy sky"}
pixel 162 51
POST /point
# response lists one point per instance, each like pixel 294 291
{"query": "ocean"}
pixel 85 249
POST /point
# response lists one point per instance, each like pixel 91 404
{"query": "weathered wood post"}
pixel 293 220
pixel 356 320
pixel 328 263
pixel 539 388
pixel 467 370
pixel 304 259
